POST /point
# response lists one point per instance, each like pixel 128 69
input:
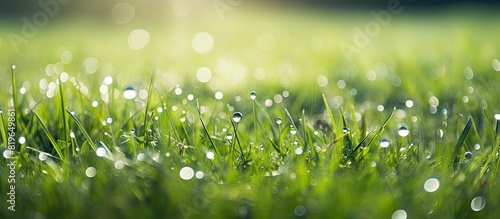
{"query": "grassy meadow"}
pixel 267 120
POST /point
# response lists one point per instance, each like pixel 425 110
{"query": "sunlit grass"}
pixel 408 127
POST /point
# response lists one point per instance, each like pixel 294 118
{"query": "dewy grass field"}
pixel 253 117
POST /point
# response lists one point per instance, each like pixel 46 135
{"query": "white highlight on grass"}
pixel 478 203
pixel 204 74
pixel 497 116
pixel 434 101
pixel 42 156
pixel 138 39
pixel 298 151
pixel 199 175
pixel 431 185
pixel 399 214
pixel 66 57
pixel 322 81
pixel 90 64
pixel 203 43
pixel 219 95
pixel 7 154
pixel 101 152
pixel 409 103
pixel 141 157
pixel 380 108
pixel 122 13
pixel 22 140
pixel 496 65
pixel 178 91
pixel 108 80
pixel 186 173
pixel 64 77
pixel 119 164
pixel 210 155
pixel 468 73
pixel 91 172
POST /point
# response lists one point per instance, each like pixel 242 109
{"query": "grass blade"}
pixel 82 129
pixel 205 128
pixel 49 136
pixel 461 139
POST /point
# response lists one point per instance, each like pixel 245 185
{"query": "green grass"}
pixel 324 159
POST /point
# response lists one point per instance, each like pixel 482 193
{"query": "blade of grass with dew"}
pixel 329 111
pixel 377 134
pixel 146 122
pixel 3 129
pixel 82 129
pixel 49 136
pixel 65 121
pixel 461 140
pixel 205 129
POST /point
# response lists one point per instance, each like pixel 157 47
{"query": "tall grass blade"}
pixel 49 136
pixel 82 129
pixel 205 129
pixel 329 111
pixel 461 139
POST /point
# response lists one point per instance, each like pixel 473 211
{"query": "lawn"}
pixel 253 116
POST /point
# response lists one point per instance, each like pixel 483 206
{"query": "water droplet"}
pixel 22 140
pixel 300 210
pixel 210 155
pixel 345 130
pixel 199 175
pixel 129 93
pixel 253 95
pixel 237 116
pixel 497 116
pixel 1 110
pixel 384 142
pixel 468 155
pixel 478 203
pixel 91 172
pixel 293 131
pixel 13 67
pixel 298 151
pixel 42 156
pixel 186 173
pixel 431 185
pixel 100 152
pixel 495 64
pixel 403 131
pixel 119 164
pixel 278 121
pixel 399 214
pixel 141 157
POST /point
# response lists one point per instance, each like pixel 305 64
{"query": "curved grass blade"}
pixel 329 111
pixel 49 136
pixel 205 128
pixel 461 139
pixel 82 129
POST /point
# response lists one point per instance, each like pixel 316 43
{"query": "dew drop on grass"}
pixel 384 143
pixel 42 156
pixel 478 203
pixel 129 93
pixel 253 95
pixel 186 173
pixel 199 175
pixel 300 210
pixel 210 155
pixel 468 155
pixel 431 185
pixel 100 152
pixel 237 116
pixel 141 157
pixel 298 151
pixel 14 66
pixel 293 131
pixel 22 140
pixel 345 130
pixel 1 110
pixel 497 116
pixel 91 172
pixel 278 121
pixel 403 131
pixel 399 214
pixel 119 164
